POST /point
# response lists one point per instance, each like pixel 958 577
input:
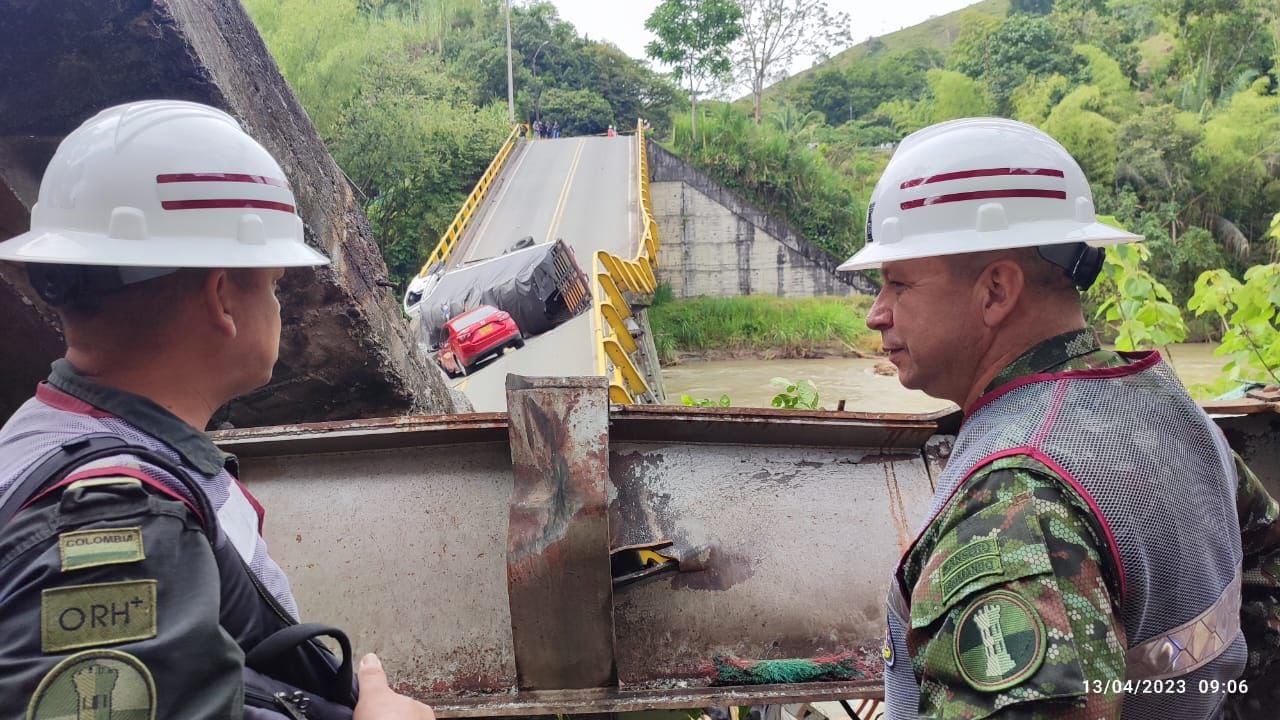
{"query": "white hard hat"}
pixel 979 184
pixel 163 184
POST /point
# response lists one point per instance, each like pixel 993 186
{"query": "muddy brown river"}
pixel 746 382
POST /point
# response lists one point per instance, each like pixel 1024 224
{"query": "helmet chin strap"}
pixel 60 284
pixel 1081 262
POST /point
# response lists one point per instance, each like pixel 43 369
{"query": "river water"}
pixel 854 380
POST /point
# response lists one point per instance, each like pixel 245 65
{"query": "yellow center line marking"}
pixel 564 192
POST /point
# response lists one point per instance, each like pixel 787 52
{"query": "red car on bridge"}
pixel 476 334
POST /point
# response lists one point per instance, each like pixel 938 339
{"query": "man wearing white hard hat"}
pixel 134 580
pixel 1083 553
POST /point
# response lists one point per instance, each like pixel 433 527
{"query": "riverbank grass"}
pixel 760 326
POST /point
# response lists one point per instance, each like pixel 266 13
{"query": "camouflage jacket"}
pixel 1079 602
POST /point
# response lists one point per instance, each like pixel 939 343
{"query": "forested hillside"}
pixel 1169 105
pixel 410 96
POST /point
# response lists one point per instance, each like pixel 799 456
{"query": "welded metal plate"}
pixel 558 539
pixel 802 542
pixel 406 550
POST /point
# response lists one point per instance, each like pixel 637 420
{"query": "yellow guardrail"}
pixel 469 206
pixel 610 276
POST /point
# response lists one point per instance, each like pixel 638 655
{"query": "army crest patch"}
pixel 99 684
pixel 1000 641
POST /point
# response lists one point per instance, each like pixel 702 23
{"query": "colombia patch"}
pixel 999 641
pixel 94 548
pixel 99 684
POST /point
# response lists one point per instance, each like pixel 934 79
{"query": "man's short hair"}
pixel 1038 272
pixel 82 297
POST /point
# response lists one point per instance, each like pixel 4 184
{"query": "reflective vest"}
pixel 1161 482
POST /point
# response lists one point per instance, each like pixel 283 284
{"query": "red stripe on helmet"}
pixel 985 172
pixel 226 203
pixel 984 195
pixel 220 177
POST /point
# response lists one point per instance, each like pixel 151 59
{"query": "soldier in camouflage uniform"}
pixel 1081 556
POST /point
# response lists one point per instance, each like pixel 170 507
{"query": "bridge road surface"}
pixel 580 190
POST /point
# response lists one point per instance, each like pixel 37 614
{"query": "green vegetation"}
pixel 1250 327
pixel 762 325
pixel 1136 308
pixel 774 166
pixel 690 401
pixel 693 37
pixel 799 394
pixel 410 97
pixel 1180 138
pixel 933 36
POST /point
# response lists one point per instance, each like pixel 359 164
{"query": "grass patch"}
pixel 761 325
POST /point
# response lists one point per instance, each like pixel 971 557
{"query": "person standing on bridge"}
pixel 1086 542
pixel 133 575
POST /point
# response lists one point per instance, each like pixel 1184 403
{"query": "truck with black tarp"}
pixel 540 286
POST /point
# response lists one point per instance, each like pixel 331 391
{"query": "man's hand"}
pixel 379 702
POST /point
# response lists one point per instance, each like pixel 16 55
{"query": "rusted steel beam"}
pixel 576 702
pixel 361 435
pixel 558 578
pixel 816 428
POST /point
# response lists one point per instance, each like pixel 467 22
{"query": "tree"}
pixel 321 47
pixel 776 33
pixel 414 145
pixel 856 91
pixel 1088 135
pixel 693 37
pixel 951 95
pixel 579 112
pixel 1020 47
pixel 1240 150
pixel 1104 73
pixel 1221 39
pixel 1031 7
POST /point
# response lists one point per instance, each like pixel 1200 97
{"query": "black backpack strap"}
pixel 73 454
pixel 267 656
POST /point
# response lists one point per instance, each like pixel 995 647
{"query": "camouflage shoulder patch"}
pixel 999 641
pixel 99 684
pixel 976 559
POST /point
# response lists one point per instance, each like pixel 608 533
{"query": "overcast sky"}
pixel 622 23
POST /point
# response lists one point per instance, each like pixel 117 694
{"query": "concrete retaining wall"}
pixel 715 244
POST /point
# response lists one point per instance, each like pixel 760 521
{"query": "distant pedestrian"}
pixel 537 128
pixel 444 311
pixel 611 132
pixel 555 129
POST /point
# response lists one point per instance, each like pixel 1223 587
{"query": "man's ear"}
pixel 218 303
pixel 1000 286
